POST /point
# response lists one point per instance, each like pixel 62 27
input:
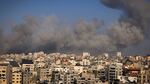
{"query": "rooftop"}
pixel 25 61
pixel 14 64
pixel 4 64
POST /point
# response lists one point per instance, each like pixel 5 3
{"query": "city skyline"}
pixel 61 68
pixel 74 42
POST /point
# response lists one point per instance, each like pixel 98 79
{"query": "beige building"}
pixel 115 70
pixel 28 69
pixel 27 64
pixel 5 73
pixel 16 73
pixel 144 77
pixel 45 74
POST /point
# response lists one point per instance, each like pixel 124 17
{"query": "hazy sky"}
pixel 66 10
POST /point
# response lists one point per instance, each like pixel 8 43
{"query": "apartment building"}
pixel 114 71
pixel 27 64
pixel 16 73
pixel 45 74
pixel 5 73
pixel 28 69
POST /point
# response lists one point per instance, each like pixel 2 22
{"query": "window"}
pixel 3 74
pixel 3 71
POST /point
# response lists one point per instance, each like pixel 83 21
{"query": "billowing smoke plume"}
pixel 125 34
pixel 50 35
pixel 137 13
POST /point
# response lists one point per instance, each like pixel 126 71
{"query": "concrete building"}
pixel 5 73
pixel 114 71
pixel 102 74
pixel 27 77
pixel 27 64
pixel 28 69
pixel 144 75
pixel 16 73
pixel 85 62
pixel 45 74
pixel 71 78
pixel 55 77
pixel 78 69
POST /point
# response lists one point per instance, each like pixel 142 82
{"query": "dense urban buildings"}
pixel 60 68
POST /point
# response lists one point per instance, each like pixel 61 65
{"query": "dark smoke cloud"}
pixel 137 13
pixel 50 35
pixel 125 34
pixel 86 36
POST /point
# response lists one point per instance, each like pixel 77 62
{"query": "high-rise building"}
pixel 102 74
pixel 16 73
pixel 145 75
pixel 55 77
pixel 45 74
pixel 114 71
pixel 28 69
pixel 27 64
